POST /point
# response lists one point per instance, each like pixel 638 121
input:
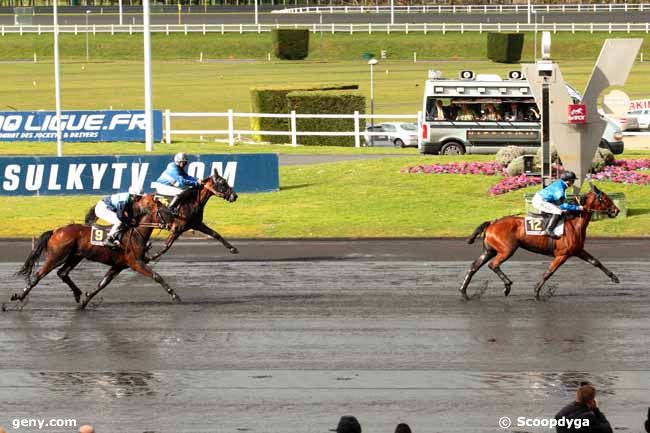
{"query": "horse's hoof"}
pixel 615 279
pixel 506 291
pixel 15 297
pixel 234 250
pixel 463 293
pixel 77 297
pixel 4 307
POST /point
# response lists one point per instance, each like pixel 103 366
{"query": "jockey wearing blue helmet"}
pixel 550 200
pixel 117 209
pixel 174 180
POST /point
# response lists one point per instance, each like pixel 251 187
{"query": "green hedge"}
pixel 273 99
pixel 290 44
pixel 329 102
pixel 505 47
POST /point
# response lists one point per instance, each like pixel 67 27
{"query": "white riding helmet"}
pixel 136 190
pixel 180 157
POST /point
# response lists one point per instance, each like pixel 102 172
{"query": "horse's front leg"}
pixel 208 231
pixel 142 268
pixel 112 273
pixel 555 264
pixel 584 255
pixel 168 244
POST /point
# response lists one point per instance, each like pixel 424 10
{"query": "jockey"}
pixel 550 200
pixel 117 209
pixel 174 180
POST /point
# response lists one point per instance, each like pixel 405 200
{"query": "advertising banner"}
pixel 100 175
pixel 78 125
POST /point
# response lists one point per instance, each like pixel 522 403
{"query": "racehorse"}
pixel 190 211
pixel 70 244
pixel 502 237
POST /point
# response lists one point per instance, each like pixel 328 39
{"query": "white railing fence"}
pixel 472 9
pixel 292 131
pixel 369 28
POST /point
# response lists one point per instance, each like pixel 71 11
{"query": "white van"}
pixel 483 113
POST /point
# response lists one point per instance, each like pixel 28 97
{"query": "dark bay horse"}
pixel 190 211
pixel 502 237
pixel 67 246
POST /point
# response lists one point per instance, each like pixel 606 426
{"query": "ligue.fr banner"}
pixel 100 175
pixel 105 125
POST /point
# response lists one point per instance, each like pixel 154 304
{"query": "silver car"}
pixel 642 117
pixel 397 134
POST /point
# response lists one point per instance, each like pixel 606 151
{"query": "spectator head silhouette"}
pixel 348 424
pixel 402 428
pixel 647 422
pixel 86 428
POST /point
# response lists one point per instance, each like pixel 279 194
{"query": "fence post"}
pixel 231 128
pixel 357 138
pixel 112 29
pixel 168 127
pixel 443 28
pixel 203 29
pixel 370 28
pixel 480 27
pixel 75 30
pixel 294 138
pixel 591 28
pixel 94 29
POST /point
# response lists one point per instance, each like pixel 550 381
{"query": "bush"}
pixel 290 44
pixel 507 154
pixel 273 99
pixel 555 158
pixel 602 158
pixel 505 47
pixel 331 102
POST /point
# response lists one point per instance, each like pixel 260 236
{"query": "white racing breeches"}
pixel 163 189
pixel 103 212
pixel 543 206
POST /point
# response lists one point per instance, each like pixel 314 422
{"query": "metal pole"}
pixel 57 81
pixel 257 20
pixel 547 176
pixel 535 37
pixel 87 50
pixel 148 114
pixel 392 11
pixel 372 105
pixel 528 11
pixel 121 14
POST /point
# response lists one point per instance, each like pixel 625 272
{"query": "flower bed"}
pixel 623 171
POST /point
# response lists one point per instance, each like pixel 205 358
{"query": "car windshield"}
pixel 409 126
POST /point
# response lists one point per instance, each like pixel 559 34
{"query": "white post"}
pixel 415 57
pixel 392 11
pixel 294 138
pixel 87 49
pixel 357 138
pixel 148 113
pixel 528 12
pixel 121 15
pixel 168 126
pixel 231 127
pixel 57 81
pixel 257 20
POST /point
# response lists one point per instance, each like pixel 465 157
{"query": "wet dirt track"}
pixel 288 336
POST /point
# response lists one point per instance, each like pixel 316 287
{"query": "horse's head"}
pixel 143 206
pixel 597 201
pixel 219 187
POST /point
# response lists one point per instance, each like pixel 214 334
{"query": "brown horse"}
pixel 190 211
pixel 67 246
pixel 502 237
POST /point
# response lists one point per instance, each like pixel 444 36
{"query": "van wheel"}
pixel 452 148
pixel 399 143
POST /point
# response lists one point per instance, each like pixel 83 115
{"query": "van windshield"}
pixel 482 109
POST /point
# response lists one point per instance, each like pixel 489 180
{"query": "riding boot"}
pixel 550 227
pixel 112 240
pixel 172 206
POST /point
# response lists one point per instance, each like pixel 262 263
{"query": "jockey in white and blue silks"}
pixel 551 200
pixel 174 180
pixel 117 209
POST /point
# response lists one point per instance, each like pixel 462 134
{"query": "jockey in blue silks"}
pixel 550 200
pixel 174 180
pixel 117 209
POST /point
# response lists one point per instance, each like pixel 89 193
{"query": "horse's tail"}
pixel 36 253
pixel 478 231
pixel 91 217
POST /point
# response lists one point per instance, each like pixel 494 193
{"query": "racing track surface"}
pixel 290 335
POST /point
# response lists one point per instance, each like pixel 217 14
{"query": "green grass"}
pixel 368 198
pixel 325 46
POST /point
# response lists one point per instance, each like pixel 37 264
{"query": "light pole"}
pixel 372 62
pixel 87 50
pixel 535 15
pixel 57 80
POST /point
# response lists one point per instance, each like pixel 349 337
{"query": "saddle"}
pixel 164 200
pixel 536 222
